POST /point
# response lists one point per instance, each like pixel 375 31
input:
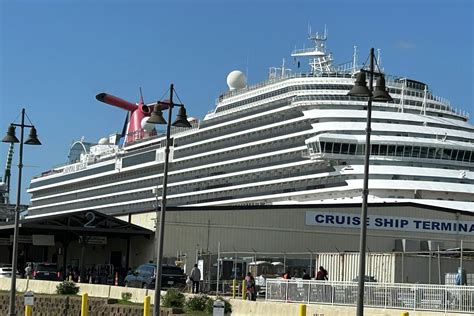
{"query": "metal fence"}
pixel 387 295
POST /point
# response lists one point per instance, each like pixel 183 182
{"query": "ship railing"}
pixel 305 50
pixel 436 107
pixel 142 135
pixel 228 94
pixel 416 297
pixel 343 71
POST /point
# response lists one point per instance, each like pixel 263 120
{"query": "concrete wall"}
pixel 68 305
pixel 244 308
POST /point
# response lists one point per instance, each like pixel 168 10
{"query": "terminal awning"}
pixel 81 223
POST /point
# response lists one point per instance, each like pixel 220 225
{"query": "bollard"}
pixel 28 310
pixel 243 290
pixel 302 310
pixel 234 287
pixel 84 305
pixel 404 314
pixel 146 306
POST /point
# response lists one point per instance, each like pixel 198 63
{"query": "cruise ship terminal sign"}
pixel 424 225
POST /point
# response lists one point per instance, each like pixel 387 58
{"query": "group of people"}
pixel 321 275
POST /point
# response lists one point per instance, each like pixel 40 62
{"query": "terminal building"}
pixel 247 232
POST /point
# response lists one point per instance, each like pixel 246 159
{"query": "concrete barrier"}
pixel 263 308
pixel 138 295
pixel 239 307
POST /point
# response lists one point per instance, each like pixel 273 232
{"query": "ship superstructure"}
pixel 294 138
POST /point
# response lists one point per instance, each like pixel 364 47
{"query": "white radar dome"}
pixel 104 141
pixel 147 126
pixel 236 80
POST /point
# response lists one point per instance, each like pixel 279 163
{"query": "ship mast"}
pixel 319 60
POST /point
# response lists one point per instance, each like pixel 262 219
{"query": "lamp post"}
pixel 32 140
pixel 380 94
pixel 181 121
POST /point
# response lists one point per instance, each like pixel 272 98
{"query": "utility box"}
pixel 218 308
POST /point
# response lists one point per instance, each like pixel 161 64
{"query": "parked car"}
pixel 144 276
pixel 6 271
pixel 45 271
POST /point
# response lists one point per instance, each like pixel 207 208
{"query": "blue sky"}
pixel 55 56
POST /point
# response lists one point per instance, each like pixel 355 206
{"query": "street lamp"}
pixel 181 121
pixel 380 94
pixel 32 140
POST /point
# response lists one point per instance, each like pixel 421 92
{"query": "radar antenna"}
pixel 319 60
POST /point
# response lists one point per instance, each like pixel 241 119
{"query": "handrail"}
pixel 430 297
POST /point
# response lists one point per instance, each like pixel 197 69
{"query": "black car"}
pixel 45 271
pixel 144 277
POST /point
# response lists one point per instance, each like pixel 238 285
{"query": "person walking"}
pixel 28 271
pixel 195 276
pixel 322 274
pixel 251 288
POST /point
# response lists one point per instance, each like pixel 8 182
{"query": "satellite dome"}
pixel 236 80
pixel 104 141
pixel 148 127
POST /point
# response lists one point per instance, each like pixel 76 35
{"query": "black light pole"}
pixel 32 140
pixel 181 121
pixel 380 94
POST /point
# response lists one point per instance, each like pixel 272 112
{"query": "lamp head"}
pixel 33 138
pixel 181 118
pixel 380 91
pixel 360 88
pixel 157 115
pixel 10 137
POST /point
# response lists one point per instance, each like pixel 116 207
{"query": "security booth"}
pixel 87 246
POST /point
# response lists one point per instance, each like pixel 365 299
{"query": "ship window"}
pixel 416 151
pixel 345 149
pixel 447 153
pixel 383 150
pixel 352 149
pixel 337 148
pixel 374 149
pixel 424 152
pixel 454 155
pixel 328 147
pixel 360 149
pixel 399 150
pixel 431 152
pixel 460 155
pixel 407 151
pixel 322 145
pixel 391 150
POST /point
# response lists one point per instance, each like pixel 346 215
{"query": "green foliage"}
pixel 126 296
pixel 173 298
pixel 67 288
pixel 197 303
pixel 210 305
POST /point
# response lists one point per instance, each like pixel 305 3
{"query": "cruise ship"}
pixel 294 138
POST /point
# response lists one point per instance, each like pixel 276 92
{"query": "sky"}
pixel 55 56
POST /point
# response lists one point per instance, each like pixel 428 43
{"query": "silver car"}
pixel 6 271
